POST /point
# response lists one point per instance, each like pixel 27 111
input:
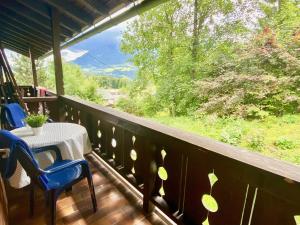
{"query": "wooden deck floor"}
pixel 115 207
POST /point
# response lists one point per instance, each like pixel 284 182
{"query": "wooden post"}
pixel 56 52
pixel 34 75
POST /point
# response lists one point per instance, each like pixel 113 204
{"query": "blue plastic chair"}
pixel 53 180
pixel 12 116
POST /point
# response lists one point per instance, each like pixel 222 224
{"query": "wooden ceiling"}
pixel 26 24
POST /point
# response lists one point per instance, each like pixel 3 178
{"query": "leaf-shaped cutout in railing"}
pixel 212 179
pixel 133 155
pixel 99 134
pixel 113 142
pixel 205 222
pixel 297 219
pixel 162 173
pixel 209 203
pixel 163 154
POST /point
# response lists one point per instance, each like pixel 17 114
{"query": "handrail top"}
pixel 275 166
pixel 40 99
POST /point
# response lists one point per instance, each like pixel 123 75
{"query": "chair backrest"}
pixel 19 151
pixel 12 115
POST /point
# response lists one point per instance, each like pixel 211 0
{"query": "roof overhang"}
pixel 26 25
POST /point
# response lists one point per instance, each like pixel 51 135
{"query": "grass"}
pixel 277 137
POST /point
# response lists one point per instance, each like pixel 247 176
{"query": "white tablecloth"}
pixel 71 139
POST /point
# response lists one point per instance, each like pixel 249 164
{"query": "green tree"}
pixel 21 67
pixel 182 41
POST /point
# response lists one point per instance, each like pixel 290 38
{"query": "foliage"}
pixel 36 120
pixel 112 82
pixel 256 142
pixel 222 57
pixel 255 135
pixel 231 135
pixel 76 82
pixel 284 143
pixel 250 96
pixel 23 71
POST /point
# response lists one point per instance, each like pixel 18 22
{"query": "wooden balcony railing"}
pixel 192 179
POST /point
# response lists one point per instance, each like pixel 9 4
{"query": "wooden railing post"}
pixel 56 52
pixel 33 67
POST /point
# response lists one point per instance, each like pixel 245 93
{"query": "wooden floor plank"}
pixel 75 207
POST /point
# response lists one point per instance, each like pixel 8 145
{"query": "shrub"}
pixel 284 143
pixel 256 142
pixel 36 120
pixel 254 112
pixel 231 136
pixel 129 105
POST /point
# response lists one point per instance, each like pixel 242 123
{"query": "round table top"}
pixel 52 134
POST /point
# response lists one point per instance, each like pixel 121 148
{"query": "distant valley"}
pixel 101 54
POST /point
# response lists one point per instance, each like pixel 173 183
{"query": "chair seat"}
pixel 63 177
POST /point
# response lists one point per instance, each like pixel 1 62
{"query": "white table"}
pixel 71 139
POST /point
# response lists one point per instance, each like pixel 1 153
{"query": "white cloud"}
pixel 70 55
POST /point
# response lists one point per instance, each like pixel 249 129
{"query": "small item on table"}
pixel 36 122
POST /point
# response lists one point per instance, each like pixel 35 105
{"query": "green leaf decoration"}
pixel 163 154
pixel 209 203
pixel 205 222
pixel 162 173
pixel 212 179
pixel 162 191
pixel 133 155
pixel 297 219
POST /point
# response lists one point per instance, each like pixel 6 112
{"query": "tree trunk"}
pixel 195 40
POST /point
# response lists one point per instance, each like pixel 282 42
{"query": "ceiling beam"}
pixel 96 6
pixel 31 15
pixel 14 49
pixel 41 45
pixel 71 11
pixel 18 40
pixel 43 10
pixel 23 32
pixel 25 22
pixel 15 45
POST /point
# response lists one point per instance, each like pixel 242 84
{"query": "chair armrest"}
pixel 72 163
pixel 48 148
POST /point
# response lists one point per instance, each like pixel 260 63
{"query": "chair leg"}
pixel 92 191
pixel 52 207
pixel 31 200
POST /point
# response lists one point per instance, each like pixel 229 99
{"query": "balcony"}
pixel 144 172
pixel 190 179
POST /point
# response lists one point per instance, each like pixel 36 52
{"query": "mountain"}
pixel 101 54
